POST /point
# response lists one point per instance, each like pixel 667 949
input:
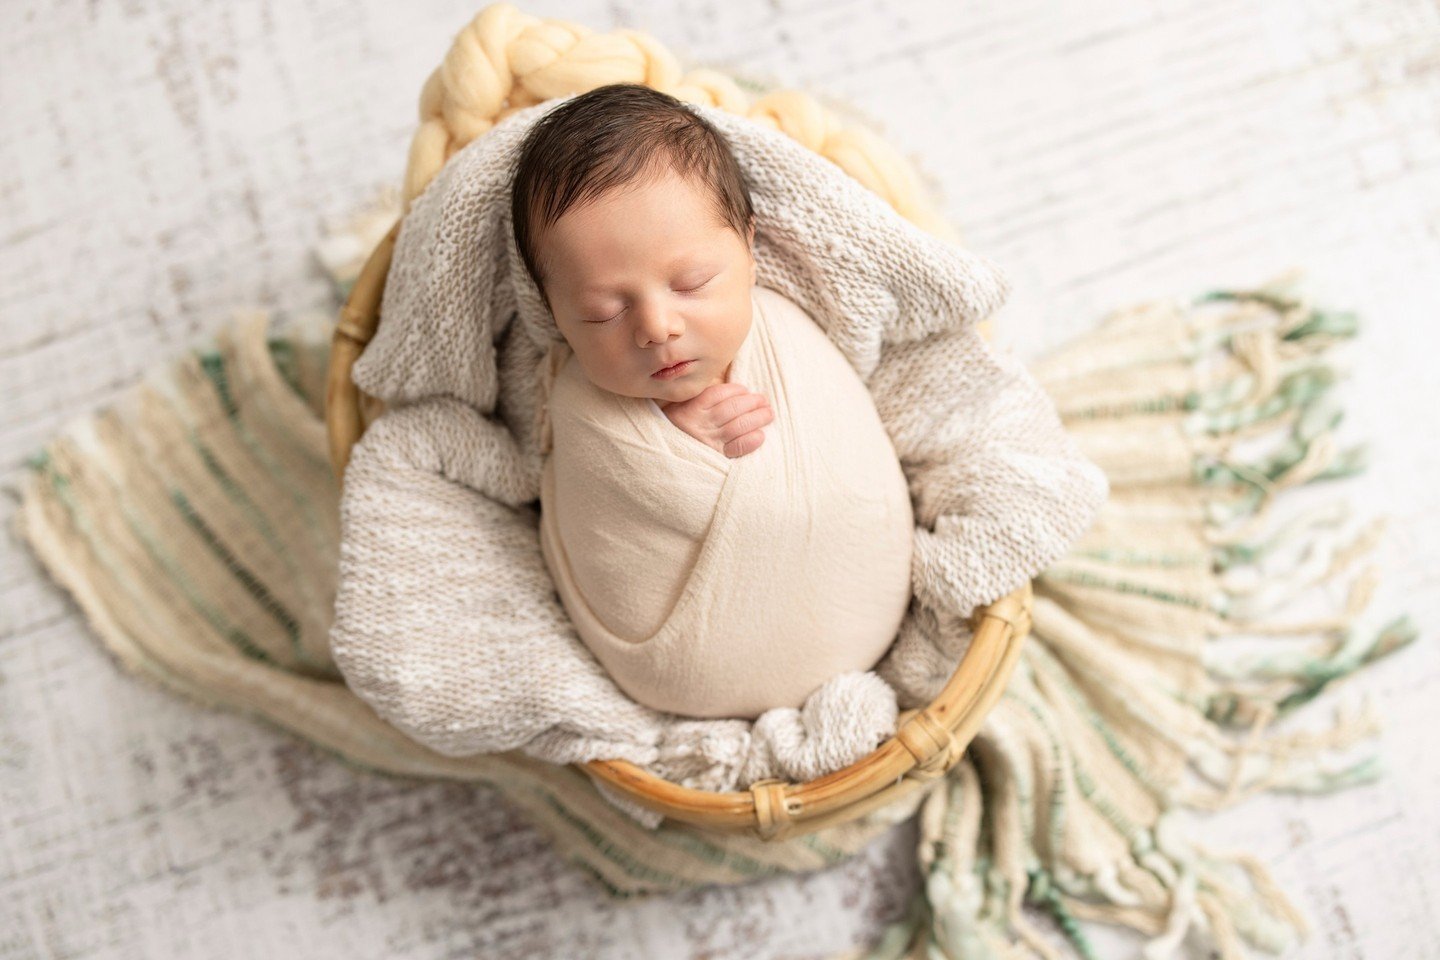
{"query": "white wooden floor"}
pixel 164 162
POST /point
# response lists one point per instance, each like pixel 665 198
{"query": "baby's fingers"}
pixel 715 395
pixel 752 419
pixel 748 443
pixel 743 435
pixel 727 411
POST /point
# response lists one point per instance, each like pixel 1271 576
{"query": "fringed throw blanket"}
pixel 196 524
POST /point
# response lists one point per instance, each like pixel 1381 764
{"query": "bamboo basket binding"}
pixel 928 741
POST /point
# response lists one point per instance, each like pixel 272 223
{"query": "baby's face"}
pixel 643 277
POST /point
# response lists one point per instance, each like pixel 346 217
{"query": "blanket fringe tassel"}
pixel 1129 705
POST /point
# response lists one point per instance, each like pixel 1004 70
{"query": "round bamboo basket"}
pixel 927 742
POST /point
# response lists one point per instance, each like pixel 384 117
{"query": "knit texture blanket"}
pixel 446 620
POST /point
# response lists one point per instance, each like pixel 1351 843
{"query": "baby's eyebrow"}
pixel 684 261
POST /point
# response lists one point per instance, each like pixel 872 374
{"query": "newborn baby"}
pixel 712 573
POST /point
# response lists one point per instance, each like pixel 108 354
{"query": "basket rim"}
pixel 908 759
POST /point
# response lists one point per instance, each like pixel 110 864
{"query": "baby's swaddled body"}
pixel 710 586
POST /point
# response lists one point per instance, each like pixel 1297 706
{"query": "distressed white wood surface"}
pixel 165 162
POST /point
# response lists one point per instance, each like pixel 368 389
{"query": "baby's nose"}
pixel 659 326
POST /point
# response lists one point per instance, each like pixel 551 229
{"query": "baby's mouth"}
pixel 674 370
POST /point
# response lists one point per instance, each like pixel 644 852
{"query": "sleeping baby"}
pixel 722 512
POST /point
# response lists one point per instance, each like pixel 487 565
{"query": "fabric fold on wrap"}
pixel 447 622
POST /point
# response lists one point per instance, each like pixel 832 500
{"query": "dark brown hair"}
pixel 607 138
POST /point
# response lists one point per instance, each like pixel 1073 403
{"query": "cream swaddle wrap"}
pixel 712 586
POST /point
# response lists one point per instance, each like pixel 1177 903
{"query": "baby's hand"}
pixel 725 416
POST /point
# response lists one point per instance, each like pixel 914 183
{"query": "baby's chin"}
pixel 681 392
pixel 687 388
pixel 674 394
pixel 665 392
pixel 668 397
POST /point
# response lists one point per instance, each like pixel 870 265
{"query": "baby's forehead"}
pixel 695 238
pixel 650 175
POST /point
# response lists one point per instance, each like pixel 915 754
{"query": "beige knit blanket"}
pixel 447 622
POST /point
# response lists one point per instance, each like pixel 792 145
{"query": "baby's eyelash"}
pixel 608 319
pixel 685 290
